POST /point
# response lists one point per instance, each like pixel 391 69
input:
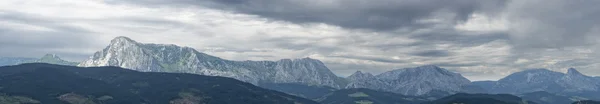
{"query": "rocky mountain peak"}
pixel 122 41
pixel 428 67
pixel 304 61
pixel 546 80
pixel 358 75
pixel 573 71
pixel 50 56
pixel 415 81
pixel 432 69
pixel 532 76
pixel 540 70
pixel 308 59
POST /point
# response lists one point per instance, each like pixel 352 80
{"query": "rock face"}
pixel 126 53
pixel 574 81
pixel 366 80
pixel 358 75
pixel 546 80
pixel 528 81
pixel 414 81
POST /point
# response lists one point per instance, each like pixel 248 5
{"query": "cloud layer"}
pixel 481 39
pixel 354 14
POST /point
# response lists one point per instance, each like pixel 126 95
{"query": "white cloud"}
pixel 479 22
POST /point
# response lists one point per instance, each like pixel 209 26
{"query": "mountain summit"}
pixel 415 81
pixel 127 53
pixel 358 75
pixel 573 71
pixel 546 80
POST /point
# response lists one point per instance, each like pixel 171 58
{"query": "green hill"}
pixel 55 84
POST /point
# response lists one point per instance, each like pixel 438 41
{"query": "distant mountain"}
pixel 548 81
pixel 529 81
pixel 366 80
pixel 586 102
pixel 4 61
pixel 358 75
pixel 574 81
pixel 126 53
pixel 54 59
pixel 367 96
pixel 48 58
pixel 413 81
pixel 55 84
pixel 487 85
pixel 462 98
pixel 542 97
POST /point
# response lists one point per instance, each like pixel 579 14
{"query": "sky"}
pixel 481 39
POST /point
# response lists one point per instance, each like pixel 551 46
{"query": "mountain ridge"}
pixel 414 81
pixel 571 83
pixel 127 53
pixel 47 58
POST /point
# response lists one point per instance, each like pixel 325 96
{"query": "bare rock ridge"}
pixel 358 75
pixel 413 81
pixel 127 53
pixel 546 80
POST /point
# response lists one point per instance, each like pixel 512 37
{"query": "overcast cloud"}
pixel 481 39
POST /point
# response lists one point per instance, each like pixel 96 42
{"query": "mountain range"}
pixel 48 58
pixel 36 83
pixel 311 79
pixel 414 81
pixel 572 83
pixel 126 53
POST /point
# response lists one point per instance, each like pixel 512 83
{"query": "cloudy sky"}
pixel 481 39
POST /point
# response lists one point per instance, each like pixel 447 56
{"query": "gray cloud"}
pixel 354 14
pixel 370 58
pixel 432 53
pixel 556 24
pixel 291 43
pixel 462 38
pixel 34 35
pixel 54 35
pixel 457 64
